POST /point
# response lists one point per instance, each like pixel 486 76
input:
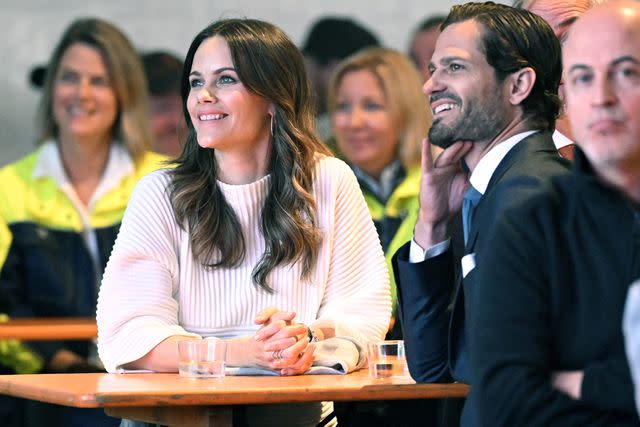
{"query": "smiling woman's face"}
pixel 84 102
pixel 224 113
pixel 364 128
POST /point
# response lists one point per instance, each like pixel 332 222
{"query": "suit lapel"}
pixel 537 142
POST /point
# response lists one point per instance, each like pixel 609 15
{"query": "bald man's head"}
pixel 601 59
pixel 559 14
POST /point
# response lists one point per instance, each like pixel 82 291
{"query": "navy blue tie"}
pixel 469 203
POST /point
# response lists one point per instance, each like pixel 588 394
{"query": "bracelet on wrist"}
pixel 312 337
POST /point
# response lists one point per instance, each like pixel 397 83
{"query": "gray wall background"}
pixel 29 30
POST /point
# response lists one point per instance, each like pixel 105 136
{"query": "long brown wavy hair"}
pixel 269 65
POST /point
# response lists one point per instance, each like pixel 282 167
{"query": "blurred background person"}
pixel 560 15
pixel 329 41
pixel 423 43
pixel 63 203
pixel 163 71
pixel 379 117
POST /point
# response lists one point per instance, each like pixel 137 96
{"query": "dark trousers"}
pixel 16 412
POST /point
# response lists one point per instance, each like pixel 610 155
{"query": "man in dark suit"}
pixel 493 92
pixel 546 340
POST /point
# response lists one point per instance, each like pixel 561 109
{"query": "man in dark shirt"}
pixel 545 336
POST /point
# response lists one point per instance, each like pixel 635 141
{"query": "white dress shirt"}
pixel 479 179
pixel 560 140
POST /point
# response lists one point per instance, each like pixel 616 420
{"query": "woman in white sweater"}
pixel 257 236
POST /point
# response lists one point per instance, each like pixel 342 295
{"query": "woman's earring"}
pixel 273 131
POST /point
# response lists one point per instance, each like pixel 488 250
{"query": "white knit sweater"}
pixel 152 287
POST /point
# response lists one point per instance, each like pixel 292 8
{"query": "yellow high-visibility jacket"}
pixel 396 218
pixel 46 269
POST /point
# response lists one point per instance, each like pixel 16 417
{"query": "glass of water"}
pixel 202 358
pixel 386 359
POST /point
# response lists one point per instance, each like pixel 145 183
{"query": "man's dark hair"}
pixel 514 39
pixel 163 71
pixel 334 38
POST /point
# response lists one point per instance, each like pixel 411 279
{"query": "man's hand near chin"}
pixel 442 186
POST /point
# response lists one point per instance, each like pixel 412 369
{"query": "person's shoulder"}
pixel 542 157
pixel 533 172
pixel 22 167
pixel 153 183
pixel 544 204
pixel 17 177
pixel 333 178
pixel 329 161
pixel 17 184
pixel 160 176
pixel 151 161
pixel 327 167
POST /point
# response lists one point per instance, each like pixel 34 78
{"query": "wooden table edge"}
pixel 49 329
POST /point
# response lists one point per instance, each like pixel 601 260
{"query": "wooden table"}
pixel 171 400
pixel 48 329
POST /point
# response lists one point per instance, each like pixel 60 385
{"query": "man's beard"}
pixel 478 122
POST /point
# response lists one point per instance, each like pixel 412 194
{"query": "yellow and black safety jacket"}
pixel 396 217
pixel 46 269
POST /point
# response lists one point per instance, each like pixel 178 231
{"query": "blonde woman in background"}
pixel 379 117
pixel 63 203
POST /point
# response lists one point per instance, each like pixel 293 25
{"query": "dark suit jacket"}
pixel 435 333
pixel 553 288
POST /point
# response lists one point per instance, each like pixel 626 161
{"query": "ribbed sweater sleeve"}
pixel 137 308
pixel 357 296
pixel 152 288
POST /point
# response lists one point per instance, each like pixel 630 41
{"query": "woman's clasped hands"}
pixel 281 343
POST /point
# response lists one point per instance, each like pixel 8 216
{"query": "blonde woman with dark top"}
pixel 379 117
